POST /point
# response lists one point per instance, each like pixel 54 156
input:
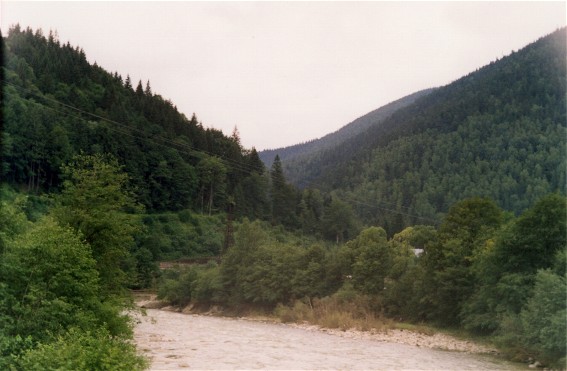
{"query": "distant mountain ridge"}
pixel 498 132
pixel 348 131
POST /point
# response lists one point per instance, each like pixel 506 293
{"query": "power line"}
pixel 187 149
pixel 192 150
pixel 233 163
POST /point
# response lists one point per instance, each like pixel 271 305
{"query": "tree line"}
pixel 67 261
pixel 482 270
pixel 56 105
pixel 498 132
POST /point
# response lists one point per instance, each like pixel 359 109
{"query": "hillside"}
pixel 356 127
pixel 57 105
pixel 498 132
pixel 101 181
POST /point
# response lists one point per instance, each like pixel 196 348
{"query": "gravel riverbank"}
pixel 435 341
pixel 175 341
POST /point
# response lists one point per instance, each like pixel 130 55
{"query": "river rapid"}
pixel 176 341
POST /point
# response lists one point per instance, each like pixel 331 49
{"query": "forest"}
pixel 459 225
pixel 498 132
pixel 337 138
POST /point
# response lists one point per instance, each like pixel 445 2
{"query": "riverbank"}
pixel 176 341
pixel 436 340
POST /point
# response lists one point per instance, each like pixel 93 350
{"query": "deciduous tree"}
pixel 96 202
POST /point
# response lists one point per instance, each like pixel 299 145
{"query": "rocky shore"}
pixel 436 341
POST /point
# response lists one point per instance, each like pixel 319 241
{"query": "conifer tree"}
pixel 139 89
pixel 128 83
pixel 148 90
pixel 283 203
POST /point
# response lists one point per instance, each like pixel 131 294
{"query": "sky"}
pixel 288 72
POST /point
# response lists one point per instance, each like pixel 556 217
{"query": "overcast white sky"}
pixel 288 72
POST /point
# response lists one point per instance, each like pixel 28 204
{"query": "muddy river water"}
pixel 176 341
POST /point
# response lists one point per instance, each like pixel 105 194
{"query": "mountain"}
pixel 56 105
pixel 336 138
pixel 498 132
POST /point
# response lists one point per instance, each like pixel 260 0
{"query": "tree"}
pixel 309 279
pixel 140 89
pixel 51 276
pixel 467 220
pixel 128 83
pixel 254 163
pixel 212 173
pixel 506 270
pixel 235 138
pixel 450 281
pixel 236 265
pixel 338 221
pixel 544 318
pixel 403 284
pixel 96 202
pixel 148 90
pixel 374 261
pixel 282 196
pixel 311 211
pixel 534 238
pixel 13 221
pixel 251 197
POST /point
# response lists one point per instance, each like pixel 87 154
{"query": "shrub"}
pixel 176 286
pixel 83 350
pixel 208 286
pixel 344 310
pixel 544 319
pixel 538 331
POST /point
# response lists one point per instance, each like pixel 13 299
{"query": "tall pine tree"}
pixel 282 196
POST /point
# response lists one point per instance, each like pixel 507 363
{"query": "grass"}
pixel 345 312
pixel 334 313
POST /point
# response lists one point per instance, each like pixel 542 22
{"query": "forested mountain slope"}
pixel 56 105
pixel 498 132
pixel 307 150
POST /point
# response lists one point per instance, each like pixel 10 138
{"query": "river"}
pixel 176 341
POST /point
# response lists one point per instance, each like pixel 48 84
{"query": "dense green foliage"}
pixel 96 203
pixel 77 350
pixel 471 273
pixel 309 150
pixel 106 180
pixel 57 105
pixel 171 236
pixel 498 132
pixel 62 284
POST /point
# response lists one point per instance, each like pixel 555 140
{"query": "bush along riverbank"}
pixel 481 273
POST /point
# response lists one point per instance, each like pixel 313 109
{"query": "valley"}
pixel 445 208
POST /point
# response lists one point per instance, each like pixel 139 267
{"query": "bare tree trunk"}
pixel 30 180
pixel 202 199
pixel 211 200
pixel 37 179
